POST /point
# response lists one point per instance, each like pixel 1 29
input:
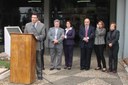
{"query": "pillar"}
pixel 46 17
pixel 120 20
pixel 126 30
pixel 113 10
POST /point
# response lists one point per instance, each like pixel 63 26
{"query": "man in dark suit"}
pixel 37 28
pixel 87 34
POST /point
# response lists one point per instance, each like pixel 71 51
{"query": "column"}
pixel 126 30
pixel 120 25
pixel 46 17
pixel 113 10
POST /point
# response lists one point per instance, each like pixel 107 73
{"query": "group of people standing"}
pixel 63 39
pixel 60 39
pixel 112 43
pixel 97 39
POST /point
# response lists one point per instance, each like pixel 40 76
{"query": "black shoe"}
pixel 114 71
pixel 43 68
pixel 58 68
pixel 69 68
pixel 82 68
pixel 52 68
pixel 87 68
pixel 109 70
pixel 65 67
pixel 40 78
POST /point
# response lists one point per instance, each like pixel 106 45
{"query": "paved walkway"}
pixel 77 77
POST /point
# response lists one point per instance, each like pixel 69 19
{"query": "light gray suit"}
pixel 39 33
pixel 56 49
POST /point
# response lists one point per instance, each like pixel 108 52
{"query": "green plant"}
pixel 5 64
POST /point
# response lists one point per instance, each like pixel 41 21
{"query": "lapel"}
pixel 31 26
pixel 89 30
pixel 84 31
pixel 69 32
pixel 37 26
pixel 58 32
pixel 54 31
pixel 114 34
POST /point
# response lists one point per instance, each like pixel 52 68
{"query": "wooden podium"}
pixel 23 58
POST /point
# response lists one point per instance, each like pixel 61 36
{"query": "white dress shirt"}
pixel 67 29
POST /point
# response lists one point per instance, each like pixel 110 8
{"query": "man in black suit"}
pixel 87 34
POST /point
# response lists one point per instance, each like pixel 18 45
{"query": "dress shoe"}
pixel 40 78
pixel 82 68
pixel 43 68
pixel 69 68
pixel 109 70
pixel 98 68
pixel 114 71
pixel 104 70
pixel 87 68
pixel 52 68
pixel 58 68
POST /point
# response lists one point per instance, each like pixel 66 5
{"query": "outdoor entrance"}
pixel 77 10
pixel 18 13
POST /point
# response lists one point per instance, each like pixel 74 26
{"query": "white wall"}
pixel 122 22
pixel 126 30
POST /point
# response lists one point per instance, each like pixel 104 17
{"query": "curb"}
pixel 125 66
pixel 4 74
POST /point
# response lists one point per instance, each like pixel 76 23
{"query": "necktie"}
pixel 34 26
pixel 86 32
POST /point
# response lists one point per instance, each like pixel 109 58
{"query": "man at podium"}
pixel 37 28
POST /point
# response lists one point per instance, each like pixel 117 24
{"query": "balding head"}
pixel 86 21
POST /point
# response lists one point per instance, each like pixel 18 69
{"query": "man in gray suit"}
pixel 56 36
pixel 37 28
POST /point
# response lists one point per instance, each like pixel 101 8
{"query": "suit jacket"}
pixel 91 35
pixel 113 37
pixel 38 32
pixel 100 36
pixel 51 37
pixel 70 37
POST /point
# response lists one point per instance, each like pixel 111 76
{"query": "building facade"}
pixel 18 13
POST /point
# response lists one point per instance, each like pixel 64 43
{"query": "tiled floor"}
pixel 77 77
